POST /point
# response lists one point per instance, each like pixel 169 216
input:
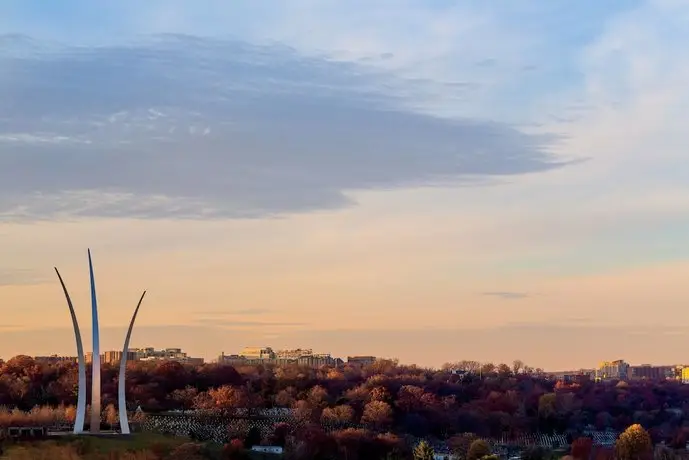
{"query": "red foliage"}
pixel 384 397
pixel 581 448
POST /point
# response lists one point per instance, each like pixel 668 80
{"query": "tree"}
pixel 377 415
pixel 379 393
pixel 111 416
pixel 423 451
pixel 409 398
pixel 581 448
pixel 338 415
pixel 70 414
pixel 478 449
pixel 634 444
pixel 317 397
pixel 547 405
pixel 184 397
pixel 224 398
pixel 487 369
pixel 285 398
pixel 459 445
pixel 517 365
pixel 504 370
pixel 139 417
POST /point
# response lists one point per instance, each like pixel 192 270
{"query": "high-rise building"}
pixel 685 374
pixel 613 370
pixel 649 372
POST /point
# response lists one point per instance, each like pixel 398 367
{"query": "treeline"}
pixel 381 398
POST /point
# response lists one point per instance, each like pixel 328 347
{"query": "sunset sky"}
pixel 431 180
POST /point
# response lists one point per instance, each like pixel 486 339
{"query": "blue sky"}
pixel 389 161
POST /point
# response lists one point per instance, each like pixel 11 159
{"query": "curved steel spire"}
pixel 95 366
pixel 121 398
pixel 81 391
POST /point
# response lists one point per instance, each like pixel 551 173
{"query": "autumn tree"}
pixel 304 412
pixel 317 397
pixel 70 414
pixel 547 405
pixel 581 448
pixel 423 451
pixel 379 393
pixel 517 366
pixel 377 415
pixel 487 369
pixel 285 398
pixel 459 445
pixel 338 415
pixel 110 416
pixel 504 370
pixel 478 449
pixel 409 398
pixel 184 397
pixel 225 398
pixel 634 444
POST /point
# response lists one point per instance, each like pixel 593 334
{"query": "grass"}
pixel 140 446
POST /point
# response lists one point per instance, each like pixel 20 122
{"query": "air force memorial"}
pixel 94 425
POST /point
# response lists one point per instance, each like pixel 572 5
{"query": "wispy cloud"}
pixel 22 277
pixel 507 295
pixel 235 312
pixel 229 323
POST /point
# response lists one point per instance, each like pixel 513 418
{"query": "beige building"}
pixel 166 354
pixel 257 353
pixel 293 354
pixel 55 359
pixel 111 357
pixel 146 354
pixel 266 356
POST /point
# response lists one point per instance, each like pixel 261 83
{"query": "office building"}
pixel 255 356
pixel 53 359
pixel 649 372
pixel 261 353
pixel 361 360
pixel 613 370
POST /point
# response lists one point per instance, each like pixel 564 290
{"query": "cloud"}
pixel 239 312
pixel 22 277
pixel 179 126
pixel 239 324
pixel 507 295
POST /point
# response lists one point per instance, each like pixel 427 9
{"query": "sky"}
pixel 428 180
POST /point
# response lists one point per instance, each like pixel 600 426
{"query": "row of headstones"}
pixel 541 440
pixel 204 430
pixel 217 429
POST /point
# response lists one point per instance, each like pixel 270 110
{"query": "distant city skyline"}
pixel 418 179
